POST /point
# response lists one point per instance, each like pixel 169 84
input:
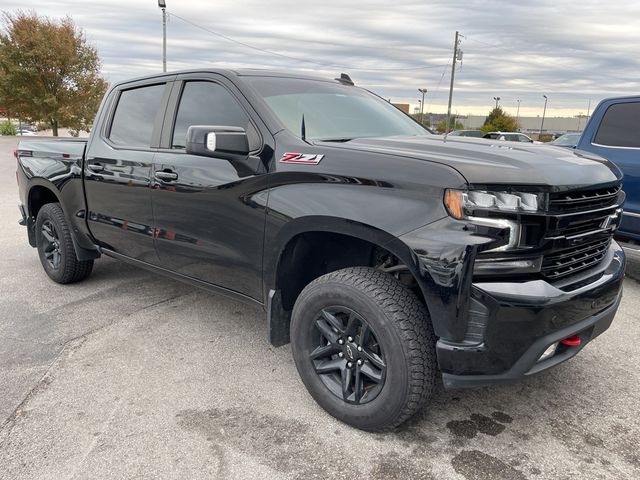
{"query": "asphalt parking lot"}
pixel 128 375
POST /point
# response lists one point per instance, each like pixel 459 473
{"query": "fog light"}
pixel 549 352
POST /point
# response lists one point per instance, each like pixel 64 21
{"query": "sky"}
pixel 575 52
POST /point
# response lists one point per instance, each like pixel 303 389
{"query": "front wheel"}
pixel 363 345
pixel 55 247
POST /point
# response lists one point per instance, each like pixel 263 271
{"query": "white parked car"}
pixel 509 137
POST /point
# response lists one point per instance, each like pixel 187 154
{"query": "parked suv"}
pixel 613 131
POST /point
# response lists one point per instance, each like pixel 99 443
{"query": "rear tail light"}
pixel 15 152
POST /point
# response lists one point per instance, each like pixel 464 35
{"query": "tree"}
pixel 49 72
pixel 7 128
pixel 499 121
pixel 454 124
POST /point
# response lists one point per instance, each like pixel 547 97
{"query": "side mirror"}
pixel 230 143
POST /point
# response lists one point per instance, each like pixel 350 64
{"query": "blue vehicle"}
pixel 614 133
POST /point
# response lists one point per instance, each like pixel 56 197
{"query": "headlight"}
pixel 461 204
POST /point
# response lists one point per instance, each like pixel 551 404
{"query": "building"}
pixel 402 106
pixel 533 124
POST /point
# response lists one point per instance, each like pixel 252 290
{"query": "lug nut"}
pixel 359 348
pixel 340 341
pixel 341 354
pixel 360 362
pixel 350 339
pixel 349 364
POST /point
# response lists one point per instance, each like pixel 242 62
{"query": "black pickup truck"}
pixel 386 255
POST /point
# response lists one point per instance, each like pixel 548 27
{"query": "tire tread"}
pixel 412 321
pixel 74 270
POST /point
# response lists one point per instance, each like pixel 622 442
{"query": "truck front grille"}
pixel 583 199
pixel 574 259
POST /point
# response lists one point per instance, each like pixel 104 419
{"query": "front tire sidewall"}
pixel 388 404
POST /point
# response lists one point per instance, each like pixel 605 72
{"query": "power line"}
pixel 298 59
pixel 435 92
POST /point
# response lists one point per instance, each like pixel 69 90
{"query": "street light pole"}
pixel 497 99
pixel 422 91
pixel 544 112
pixel 163 5
pixel 518 111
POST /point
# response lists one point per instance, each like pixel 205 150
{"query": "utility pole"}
pixel 422 91
pixel 589 109
pixel 163 5
pixel 456 45
pixel 518 114
pixel 544 112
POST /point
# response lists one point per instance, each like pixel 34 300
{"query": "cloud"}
pixel 572 51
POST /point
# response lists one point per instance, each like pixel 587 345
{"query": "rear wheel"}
pixel 55 247
pixel 363 345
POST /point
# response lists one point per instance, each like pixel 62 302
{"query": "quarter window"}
pixel 620 126
pixel 135 116
pixel 208 103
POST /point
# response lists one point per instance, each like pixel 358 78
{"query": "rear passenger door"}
pixel 117 169
pixel 618 139
pixel 209 215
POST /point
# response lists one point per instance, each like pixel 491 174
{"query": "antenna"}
pixel 345 79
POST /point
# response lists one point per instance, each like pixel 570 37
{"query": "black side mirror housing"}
pixel 230 143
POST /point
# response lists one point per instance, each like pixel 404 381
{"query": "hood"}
pixel 486 162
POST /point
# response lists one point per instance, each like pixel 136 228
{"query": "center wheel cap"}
pixel 349 352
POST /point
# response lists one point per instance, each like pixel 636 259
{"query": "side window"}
pixel 620 126
pixel 135 115
pixel 208 103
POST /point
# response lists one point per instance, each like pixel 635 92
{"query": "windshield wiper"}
pixel 342 140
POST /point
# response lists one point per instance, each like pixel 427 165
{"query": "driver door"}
pixel 207 224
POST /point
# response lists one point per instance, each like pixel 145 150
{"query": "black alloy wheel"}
pixel 348 357
pixel 55 246
pixel 364 347
pixel 51 244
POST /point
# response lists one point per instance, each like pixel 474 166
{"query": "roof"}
pixel 246 72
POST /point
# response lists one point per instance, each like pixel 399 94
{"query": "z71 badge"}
pixel 303 158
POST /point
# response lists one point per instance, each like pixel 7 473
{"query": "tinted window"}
pixel 207 103
pixel 135 115
pixel 620 126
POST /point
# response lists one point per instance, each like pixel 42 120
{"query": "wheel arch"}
pixel 305 249
pixel 41 192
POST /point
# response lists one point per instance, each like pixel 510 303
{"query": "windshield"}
pixel 332 111
pixel 567 139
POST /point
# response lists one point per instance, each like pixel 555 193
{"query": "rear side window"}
pixel 135 116
pixel 620 126
pixel 208 103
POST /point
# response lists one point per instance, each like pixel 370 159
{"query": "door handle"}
pixel 166 176
pixel 95 167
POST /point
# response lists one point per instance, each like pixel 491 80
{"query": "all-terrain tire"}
pixel 55 247
pixel 403 334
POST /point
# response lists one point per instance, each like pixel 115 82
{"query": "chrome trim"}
pixel 514 230
pixel 636 215
pixel 583 212
pixel 613 146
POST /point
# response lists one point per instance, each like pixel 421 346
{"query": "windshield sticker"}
pixel 303 158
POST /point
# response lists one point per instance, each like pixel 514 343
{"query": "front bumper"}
pixel 518 321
